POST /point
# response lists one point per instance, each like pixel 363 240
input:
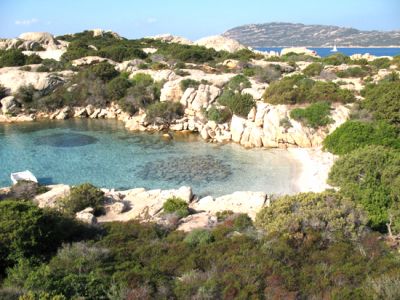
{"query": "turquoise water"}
pixel 347 51
pixel 104 153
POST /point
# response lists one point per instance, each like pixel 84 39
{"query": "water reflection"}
pixel 64 140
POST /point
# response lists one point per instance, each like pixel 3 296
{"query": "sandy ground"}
pixel 314 168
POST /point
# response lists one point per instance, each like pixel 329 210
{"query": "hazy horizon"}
pixel 189 19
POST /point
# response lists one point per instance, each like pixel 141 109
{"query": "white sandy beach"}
pixel 315 165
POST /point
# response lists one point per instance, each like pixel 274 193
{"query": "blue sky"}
pixel 190 18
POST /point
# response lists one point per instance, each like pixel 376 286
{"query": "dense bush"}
pixel 383 101
pixel 81 197
pixel 164 112
pixel 143 92
pixel 300 89
pixel 27 231
pixel 11 58
pixel 336 59
pixel 117 87
pixel 104 71
pixel 25 190
pixel 370 176
pixel 177 206
pixel 199 237
pixel 219 115
pixel 267 74
pixel 238 104
pixel 329 213
pixel 33 59
pixel 27 94
pixel 352 72
pixel 381 63
pixel 313 69
pixel 315 115
pixel 187 83
pixel 238 83
pixel 355 134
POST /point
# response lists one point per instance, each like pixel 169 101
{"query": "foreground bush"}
pixel 27 231
pixel 238 104
pixel 353 135
pixel 300 89
pixel 383 101
pixel 11 58
pixel 177 206
pixel 81 197
pixel 370 176
pixel 315 115
pixel 219 115
pixel 238 83
pixel 164 112
pixel 329 213
pixel 313 69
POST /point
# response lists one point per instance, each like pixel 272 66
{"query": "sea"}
pixel 346 51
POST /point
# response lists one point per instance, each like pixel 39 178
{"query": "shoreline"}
pixel 311 166
pixel 314 167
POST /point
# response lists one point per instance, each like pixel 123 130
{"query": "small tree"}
pixel 177 206
pixel 81 197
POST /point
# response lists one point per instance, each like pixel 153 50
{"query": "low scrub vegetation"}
pixel 298 89
pixel 238 104
pixel 315 115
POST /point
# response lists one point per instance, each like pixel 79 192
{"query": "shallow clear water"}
pixel 346 51
pixel 104 153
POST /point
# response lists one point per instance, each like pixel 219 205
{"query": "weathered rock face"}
pixel 101 32
pixel 200 220
pixel 86 216
pixel 171 91
pixel 219 43
pixel 13 78
pixel 169 38
pixel 129 65
pixel 238 202
pixel 299 50
pixel 9 105
pixel 202 98
pixel 91 60
pixel 50 198
pixel 145 205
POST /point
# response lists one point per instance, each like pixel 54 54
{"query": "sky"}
pixel 192 19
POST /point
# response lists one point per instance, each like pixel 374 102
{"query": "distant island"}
pixel 279 34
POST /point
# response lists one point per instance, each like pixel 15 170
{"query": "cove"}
pixel 105 154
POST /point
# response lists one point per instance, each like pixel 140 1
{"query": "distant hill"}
pixel 279 34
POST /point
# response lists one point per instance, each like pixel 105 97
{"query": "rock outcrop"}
pixel 9 105
pixel 220 43
pixel 50 198
pixel 86 216
pixel 13 78
pixel 238 202
pixel 169 38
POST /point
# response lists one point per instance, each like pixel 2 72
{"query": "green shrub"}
pixel 164 112
pixel 242 222
pixel 33 59
pixel 199 237
pixel 381 63
pixel 383 101
pixel 43 69
pixel 81 197
pixel 176 205
pixel 336 59
pixel 239 104
pixel 285 123
pixel 223 215
pixel 27 231
pixel 117 87
pixel 11 58
pixel 315 115
pixel 370 176
pixel 352 72
pixel 120 53
pixel 218 115
pixel 238 83
pixel 27 94
pixel 189 83
pixel 313 69
pixel 104 71
pixel 353 135
pixel 302 90
pixel 329 213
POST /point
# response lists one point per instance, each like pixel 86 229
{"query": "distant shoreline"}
pixel 347 47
